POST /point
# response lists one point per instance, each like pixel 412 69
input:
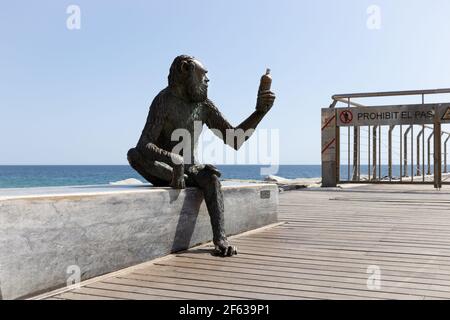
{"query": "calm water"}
pixel 40 176
pixel 396 169
pixel 45 176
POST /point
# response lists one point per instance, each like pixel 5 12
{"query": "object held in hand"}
pixel 266 82
pixel 265 96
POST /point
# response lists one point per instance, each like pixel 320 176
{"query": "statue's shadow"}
pixel 184 233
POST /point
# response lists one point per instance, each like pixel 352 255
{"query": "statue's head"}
pixel 187 76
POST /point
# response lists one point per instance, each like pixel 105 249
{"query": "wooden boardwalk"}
pixel 323 250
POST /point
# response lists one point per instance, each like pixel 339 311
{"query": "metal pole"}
pixel 412 153
pixel 374 151
pixel 359 153
pixel 391 128
pixel 355 153
pixel 437 151
pixel 379 153
pixel 440 155
pixel 423 154
pixel 338 152
pixel 405 151
pixel 429 152
pixel 423 145
pixel 368 153
pixel 390 93
pixel 445 153
pixel 348 154
pixel 401 161
pixel 418 150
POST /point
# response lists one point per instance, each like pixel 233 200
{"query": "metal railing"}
pixel 411 167
pixel 345 98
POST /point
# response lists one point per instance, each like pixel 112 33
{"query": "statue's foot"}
pixel 224 249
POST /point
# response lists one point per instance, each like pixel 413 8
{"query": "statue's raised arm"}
pixel 236 136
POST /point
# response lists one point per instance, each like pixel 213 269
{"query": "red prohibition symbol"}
pixel 346 116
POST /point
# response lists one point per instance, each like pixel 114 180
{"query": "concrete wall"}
pixel 44 231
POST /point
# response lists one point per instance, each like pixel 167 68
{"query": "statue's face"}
pixel 200 73
pixel 197 86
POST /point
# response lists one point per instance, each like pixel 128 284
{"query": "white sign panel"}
pixel 392 115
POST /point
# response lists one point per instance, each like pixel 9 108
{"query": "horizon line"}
pixel 217 164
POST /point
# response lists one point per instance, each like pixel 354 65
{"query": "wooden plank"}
pixel 384 248
pixel 357 265
pixel 317 290
pixel 320 281
pixel 441 249
pixel 109 292
pixel 416 277
pixel 326 280
pixel 347 255
pixel 206 291
pixel 255 289
pixel 165 291
pixel 72 295
pixel 327 258
pixel 327 231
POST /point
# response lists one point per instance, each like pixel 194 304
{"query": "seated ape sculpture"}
pixel 178 106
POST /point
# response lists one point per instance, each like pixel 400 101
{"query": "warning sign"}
pixel 392 115
pixel 446 115
pixel 346 116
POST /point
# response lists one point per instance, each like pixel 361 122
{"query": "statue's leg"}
pixel 208 181
pixel 157 173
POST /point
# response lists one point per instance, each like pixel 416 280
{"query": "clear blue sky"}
pixel 82 96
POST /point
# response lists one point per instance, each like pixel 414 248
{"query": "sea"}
pixel 69 175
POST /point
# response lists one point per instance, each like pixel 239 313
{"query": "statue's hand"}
pixel 178 181
pixel 195 169
pixel 265 101
pixel 178 178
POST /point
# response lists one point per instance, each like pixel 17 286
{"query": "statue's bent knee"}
pixel 157 173
pixel 133 156
pixel 207 179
